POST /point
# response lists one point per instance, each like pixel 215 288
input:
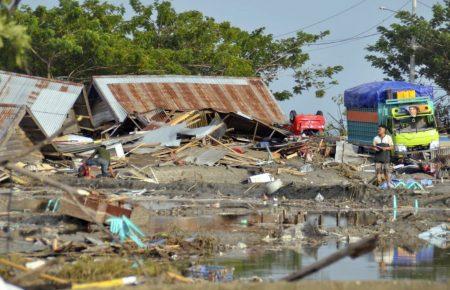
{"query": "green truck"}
pixel 407 110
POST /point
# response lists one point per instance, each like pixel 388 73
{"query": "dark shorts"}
pixel 382 168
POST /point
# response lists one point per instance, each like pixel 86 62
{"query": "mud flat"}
pixel 313 285
pixel 207 216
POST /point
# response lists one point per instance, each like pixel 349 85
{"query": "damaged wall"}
pixel 19 142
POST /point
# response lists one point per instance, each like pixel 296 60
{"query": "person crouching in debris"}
pixel 383 144
pixel 103 159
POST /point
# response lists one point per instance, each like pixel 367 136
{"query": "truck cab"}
pixel 307 124
pixel 406 109
pixel 411 123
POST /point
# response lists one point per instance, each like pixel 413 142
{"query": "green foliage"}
pixel 77 40
pixel 392 51
pixel 13 38
pixel 283 95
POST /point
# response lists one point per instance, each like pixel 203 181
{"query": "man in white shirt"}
pixel 383 144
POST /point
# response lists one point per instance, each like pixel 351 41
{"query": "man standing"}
pixel 103 159
pixel 383 144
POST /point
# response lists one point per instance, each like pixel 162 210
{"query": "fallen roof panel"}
pixel 140 94
pixel 49 100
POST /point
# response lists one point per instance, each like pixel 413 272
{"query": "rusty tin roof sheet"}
pixel 8 116
pixel 129 94
pixel 49 100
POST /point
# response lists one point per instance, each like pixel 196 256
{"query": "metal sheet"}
pixel 207 157
pixel 8 115
pixel 49 100
pixel 51 108
pixel 165 136
pixel 131 94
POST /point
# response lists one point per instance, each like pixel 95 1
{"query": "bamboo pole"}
pixel 353 250
pixel 24 269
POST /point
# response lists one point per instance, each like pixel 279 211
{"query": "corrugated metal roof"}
pixel 8 116
pixel 49 100
pixel 129 94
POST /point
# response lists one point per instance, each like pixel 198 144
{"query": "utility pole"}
pixel 412 59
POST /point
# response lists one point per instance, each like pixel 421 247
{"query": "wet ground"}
pixel 247 230
pixel 394 262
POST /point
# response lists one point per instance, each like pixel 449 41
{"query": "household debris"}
pixel 211 273
pixel 438 236
pixel 190 181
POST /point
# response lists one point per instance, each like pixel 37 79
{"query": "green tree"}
pixel 392 51
pixel 13 38
pixel 77 40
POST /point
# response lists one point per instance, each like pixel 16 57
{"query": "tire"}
pixel 292 115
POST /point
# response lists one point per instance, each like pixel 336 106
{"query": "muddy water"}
pixel 394 262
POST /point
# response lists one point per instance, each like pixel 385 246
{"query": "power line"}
pixel 343 43
pixel 323 20
pixel 355 37
pixel 340 41
pixel 358 36
pixel 424 4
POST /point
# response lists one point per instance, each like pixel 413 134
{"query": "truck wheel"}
pixel 292 115
pixel 360 150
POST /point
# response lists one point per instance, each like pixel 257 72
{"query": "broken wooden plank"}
pixel 181 118
pixel 290 156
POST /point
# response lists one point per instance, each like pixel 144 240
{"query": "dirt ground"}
pixel 312 285
pixel 215 209
pixel 211 199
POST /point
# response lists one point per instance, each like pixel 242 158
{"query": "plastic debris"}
pixel 261 178
pixel 438 236
pixel 35 264
pixel 131 280
pixel 7 286
pixel 241 245
pixel 319 198
pixel 125 228
pixel 416 206
pixel 274 186
pixel 268 239
pixel 384 186
pixel 306 168
pixel 426 182
pixel 211 273
pixel 394 206
pixel 53 205
pixel 399 183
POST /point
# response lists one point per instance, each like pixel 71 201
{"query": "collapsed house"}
pixel 149 112
pixel 144 101
pixel 33 108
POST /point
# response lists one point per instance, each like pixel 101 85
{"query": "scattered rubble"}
pixel 188 180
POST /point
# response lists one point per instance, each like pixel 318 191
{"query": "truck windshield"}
pixel 413 124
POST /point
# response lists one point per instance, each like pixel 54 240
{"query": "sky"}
pixel 283 16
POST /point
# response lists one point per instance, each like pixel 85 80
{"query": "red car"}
pixel 306 124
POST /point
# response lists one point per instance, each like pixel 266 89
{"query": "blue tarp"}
pixel 370 94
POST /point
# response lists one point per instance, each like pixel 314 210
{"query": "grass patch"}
pixel 7 272
pixel 88 269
